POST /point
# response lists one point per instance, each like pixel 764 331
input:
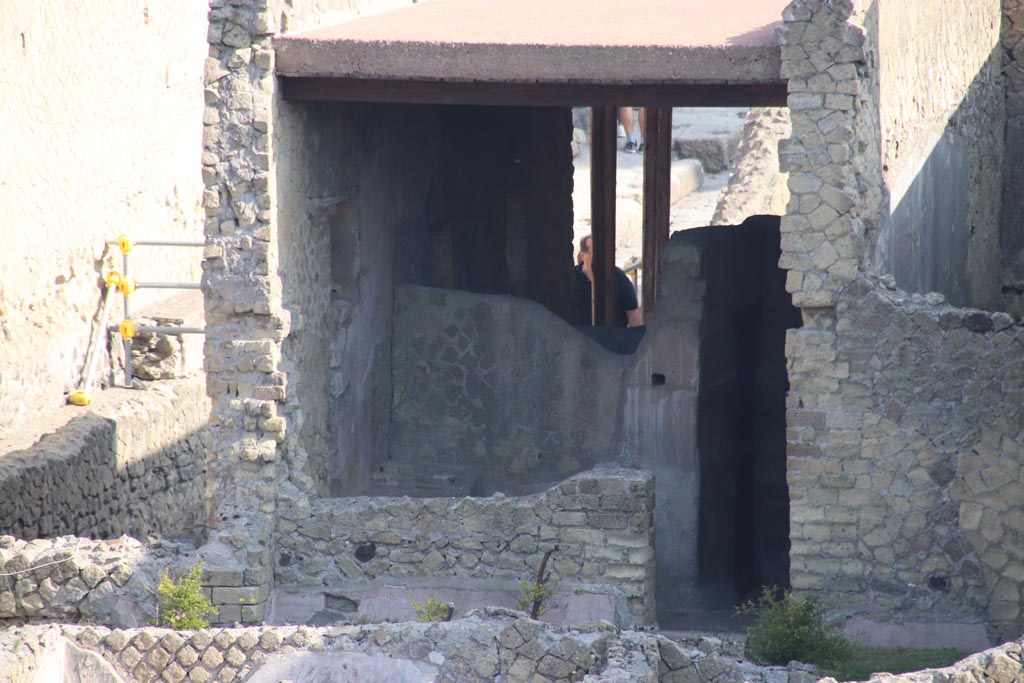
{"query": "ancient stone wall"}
pixel 494 394
pixel 756 187
pixel 253 399
pixel 1012 237
pixel 488 645
pixel 601 521
pixel 102 134
pixel 897 401
pixel 135 464
pixel 69 578
pixel 941 154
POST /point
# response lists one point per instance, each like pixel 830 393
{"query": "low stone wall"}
pixel 69 578
pixel 134 464
pixel 113 582
pixel 601 521
pixel 488 645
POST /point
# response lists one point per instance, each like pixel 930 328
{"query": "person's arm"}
pixel 634 318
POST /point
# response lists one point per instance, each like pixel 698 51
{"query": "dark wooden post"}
pixel 602 211
pixel 657 196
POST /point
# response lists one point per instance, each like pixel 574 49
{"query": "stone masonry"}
pixel 252 449
pixel 903 436
pixel 133 464
pixel 488 645
pixel 602 522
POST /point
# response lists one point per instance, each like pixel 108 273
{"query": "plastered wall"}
pixel 941 109
pixel 102 113
pixel 494 394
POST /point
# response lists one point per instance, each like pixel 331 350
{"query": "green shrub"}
pixel 865 661
pixel 182 603
pixel 433 610
pixel 789 628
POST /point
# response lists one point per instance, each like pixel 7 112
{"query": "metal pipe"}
pixel 168 285
pixel 160 329
pixel 162 243
pixel 127 316
pixel 82 397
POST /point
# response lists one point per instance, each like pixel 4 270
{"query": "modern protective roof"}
pixel 548 42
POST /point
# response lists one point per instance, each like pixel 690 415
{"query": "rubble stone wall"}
pixel 902 423
pixel 602 522
pixel 69 578
pixel 102 134
pixel 756 187
pixel 254 401
pixel 135 466
pixel 488 645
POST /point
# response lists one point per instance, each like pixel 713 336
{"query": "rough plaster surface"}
pixel 1012 237
pixel 102 136
pixel 941 154
pixel 465 40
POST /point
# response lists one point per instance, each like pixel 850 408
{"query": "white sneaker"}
pixel 620 131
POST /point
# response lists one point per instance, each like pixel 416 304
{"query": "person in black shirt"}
pixel 627 309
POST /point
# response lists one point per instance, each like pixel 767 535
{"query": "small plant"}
pixel 535 593
pixel 433 610
pixel 865 661
pixel 789 628
pixel 182 605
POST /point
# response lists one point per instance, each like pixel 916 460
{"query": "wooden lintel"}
pixel 344 89
pixel 657 196
pixel 603 151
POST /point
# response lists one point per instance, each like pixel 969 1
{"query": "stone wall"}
pixel 756 187
pixel 70 578
pixel 601 521
pixel 494 394
pixel 941 154
pixel 899 403
pixel 246 128
pixel 134 464
pixel 488 645
pixel 102 135
pixel 741 430
pixel 907 484
pixel 1012 237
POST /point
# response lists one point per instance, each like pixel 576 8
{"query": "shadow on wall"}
pixel 494 393
pixel 101 477
pixel 943 232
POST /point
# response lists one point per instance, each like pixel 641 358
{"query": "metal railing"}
pixel 124 283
